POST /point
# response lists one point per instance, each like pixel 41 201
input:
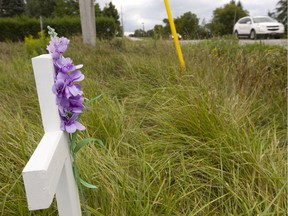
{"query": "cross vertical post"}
pixel 49 170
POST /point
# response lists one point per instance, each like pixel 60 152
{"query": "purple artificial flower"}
pixel 70 124
pixel 59 88
pixel 71 105
pixel 64 65
pixel 63 44
pixel 75 76
pixel 73 90
pixel 65 86
pixel 68 93
pixel 57 46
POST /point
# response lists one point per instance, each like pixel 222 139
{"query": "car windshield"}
pixel 262 19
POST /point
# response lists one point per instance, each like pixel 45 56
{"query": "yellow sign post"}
pixel 174 33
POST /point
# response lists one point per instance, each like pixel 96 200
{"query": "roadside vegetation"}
pixel 20 19
pixel 208 140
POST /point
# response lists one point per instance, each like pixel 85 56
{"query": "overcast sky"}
pixel 152 12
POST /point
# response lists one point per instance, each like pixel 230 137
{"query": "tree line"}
pixel 187 25
pixel 223 20
pixel 51 8
pixel 63 8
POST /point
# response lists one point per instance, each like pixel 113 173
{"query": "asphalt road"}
pixel 281 42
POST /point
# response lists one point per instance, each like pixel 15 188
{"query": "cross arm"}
pixel 42 172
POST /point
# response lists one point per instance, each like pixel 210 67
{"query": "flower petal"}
pixel 79 126
pixel 71 128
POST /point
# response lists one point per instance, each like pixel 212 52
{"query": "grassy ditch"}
pixel 210 140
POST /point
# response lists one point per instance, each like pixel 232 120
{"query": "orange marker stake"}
pixel 174 33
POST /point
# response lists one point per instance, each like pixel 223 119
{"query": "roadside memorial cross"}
pixel 49 170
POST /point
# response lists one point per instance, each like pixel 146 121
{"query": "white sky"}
pixel 152 12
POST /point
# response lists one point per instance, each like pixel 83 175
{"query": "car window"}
pixel 244 20
pixel 262 19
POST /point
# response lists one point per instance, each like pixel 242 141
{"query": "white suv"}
pixel 253 26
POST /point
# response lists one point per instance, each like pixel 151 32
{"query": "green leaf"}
pixel 91 100
pixel 86 141
pixel 73 138
pixel 75 171
pixel 86 184
pixel 87 104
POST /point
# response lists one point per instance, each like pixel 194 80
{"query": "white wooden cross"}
pixel 49 170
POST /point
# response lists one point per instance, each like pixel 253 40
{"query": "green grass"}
pixel 208 140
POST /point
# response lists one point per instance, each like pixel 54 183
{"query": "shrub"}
pixel 68 25
pixel 17 28
pixel 106 27
pixel 36 46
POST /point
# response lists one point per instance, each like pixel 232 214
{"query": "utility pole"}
pixel 143 29
pixel 122 22
pixel 234 21
pixel 88 24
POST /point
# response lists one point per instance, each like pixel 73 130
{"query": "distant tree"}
pixel 281 11
pixel 239 4
pixel 158 31
pixel 111 11
pixel 66 7
pixel 203 32
pixel 150 33
pixel 166 28
pixel 187 25
pixel 98 11
pixel 36 8
pixel 9 8
pixel 225 17
pixel 139 33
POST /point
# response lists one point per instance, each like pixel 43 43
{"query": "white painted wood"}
pixel 49 170
pixel 67 201
pixel 44 77
pixel 42 172
pixel 88 25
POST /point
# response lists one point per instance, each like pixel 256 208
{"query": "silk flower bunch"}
pixel 69 99
pixel 66 87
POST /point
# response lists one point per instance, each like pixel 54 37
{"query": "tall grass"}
pixel 210 140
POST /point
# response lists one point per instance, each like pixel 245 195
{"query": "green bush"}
pixel 17 28
pixel 67 25
pixel 106 27
pixel 36 46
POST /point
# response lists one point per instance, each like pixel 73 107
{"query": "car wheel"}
pixel 236 34
pixel 253 35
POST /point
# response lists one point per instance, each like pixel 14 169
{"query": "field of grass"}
pixel 208 140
